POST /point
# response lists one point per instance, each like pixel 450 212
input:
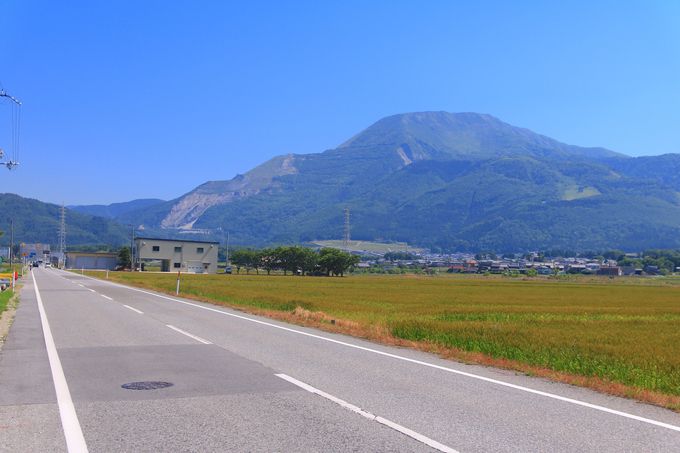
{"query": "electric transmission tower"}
pixel 62 237
pixel 345 238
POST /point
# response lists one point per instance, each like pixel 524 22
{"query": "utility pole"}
pixel 132 248
pixel 227 261
pixel 345 239
pixel 11 243
pixel 62 238
pixel 16 128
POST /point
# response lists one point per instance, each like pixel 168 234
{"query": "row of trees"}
pixel 666 260
pixel 296 260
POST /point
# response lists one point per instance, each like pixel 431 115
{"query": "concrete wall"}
pixel 91 261
pixel 185 256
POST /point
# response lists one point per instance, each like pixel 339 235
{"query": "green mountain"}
pixel 115 210
pixel 461 181
pixel 35 221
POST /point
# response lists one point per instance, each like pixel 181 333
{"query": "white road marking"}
pixel 81 285
pixel 134 309
pixel 106 297
pixel 183 332
pixel 91 290
pixel 75 442
pixel 415 361
pixel 417 436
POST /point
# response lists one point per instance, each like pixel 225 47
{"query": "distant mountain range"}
pixel 452 181
pixel 116 210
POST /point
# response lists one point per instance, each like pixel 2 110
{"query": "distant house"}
pixel 576 268
pixel 611 271
pixel 628 270
pixel 651 270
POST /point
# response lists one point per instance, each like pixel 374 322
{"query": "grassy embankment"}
pixel 5 296
pixel 621 336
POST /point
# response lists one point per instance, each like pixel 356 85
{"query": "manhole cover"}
pixel 146 385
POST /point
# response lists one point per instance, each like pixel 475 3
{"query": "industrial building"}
pixel 197 257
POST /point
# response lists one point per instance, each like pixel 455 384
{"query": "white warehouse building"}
pixel 197 257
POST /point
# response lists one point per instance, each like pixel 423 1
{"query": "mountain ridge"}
pixel 481 181
pixel 447 181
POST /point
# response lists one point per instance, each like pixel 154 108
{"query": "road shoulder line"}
pixel 75 442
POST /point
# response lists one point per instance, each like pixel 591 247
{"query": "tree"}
pixel 241 258
pixel 300 260
pixel 268 260
pixel 397 256
pixel 336 262
pixel 124 259
pixel 284 258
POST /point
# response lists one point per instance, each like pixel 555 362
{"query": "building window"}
pixel 177 265
pixel 178 249
pixel 199 249
pixel 156 248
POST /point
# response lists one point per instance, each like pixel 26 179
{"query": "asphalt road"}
pixel 243 383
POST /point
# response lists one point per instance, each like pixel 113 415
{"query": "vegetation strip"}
pixel 597 335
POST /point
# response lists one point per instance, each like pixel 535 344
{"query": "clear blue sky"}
pixel 141 99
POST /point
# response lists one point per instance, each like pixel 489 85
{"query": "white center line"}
pixel 414 361
pixel 106 297
pixel 417 436
pixel 134 309
pixel 75 442
pixel 183 332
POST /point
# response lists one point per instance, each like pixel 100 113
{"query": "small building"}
pixel 198 257
pixel 91 260
pixel 611 271
pixel 652 270
pixel 628 270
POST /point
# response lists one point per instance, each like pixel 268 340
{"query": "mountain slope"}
pixel 452 181
pixel 115 210
pixel 35 221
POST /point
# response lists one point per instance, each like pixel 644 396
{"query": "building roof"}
pixel 176 240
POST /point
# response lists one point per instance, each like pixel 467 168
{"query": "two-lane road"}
pixel 243 383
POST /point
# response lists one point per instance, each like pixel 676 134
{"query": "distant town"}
pixel 535 263
pixel 198 257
